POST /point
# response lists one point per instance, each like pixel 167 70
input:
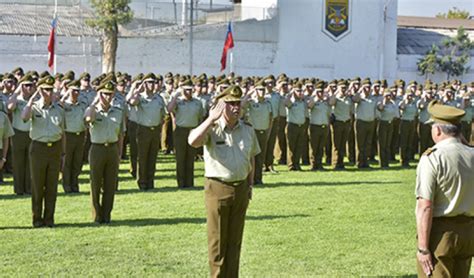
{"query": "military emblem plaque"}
pixel 336 20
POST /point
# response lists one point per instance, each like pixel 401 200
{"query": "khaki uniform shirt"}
pixel 342 108
pixel 47 123
pixel 410 111
pixel 389 112
pixel 274 99
pixel 228 152
pixel 365 109
pixel 88 95
pixel 188 113
pixel 320 113
pixel 423 115
pixel 17 121
pixel 282 108
pixel 107 125
pixel 259 114
pixel 6 129
pixel 446 177
pixel 150 110
pixel 74 116
pixel 296 112
pixel 205 101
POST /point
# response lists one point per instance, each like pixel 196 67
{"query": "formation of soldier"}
pixel 54 124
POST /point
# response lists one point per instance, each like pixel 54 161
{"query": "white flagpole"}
pixel 55 37
pixel 231 60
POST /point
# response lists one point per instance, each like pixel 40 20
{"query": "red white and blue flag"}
pixel 52 42
pixel 228 44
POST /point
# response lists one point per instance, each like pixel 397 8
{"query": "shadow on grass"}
pixel 396 276
pixel 326 183
pixel 142 222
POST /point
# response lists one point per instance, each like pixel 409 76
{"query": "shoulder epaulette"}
pixel 429 151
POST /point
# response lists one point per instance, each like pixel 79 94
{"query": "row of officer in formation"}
pixel 298 120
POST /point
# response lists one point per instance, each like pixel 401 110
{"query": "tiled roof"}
pixel 434 23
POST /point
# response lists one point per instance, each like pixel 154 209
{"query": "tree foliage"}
pixel 454 13
pixel 109 14
pixel 451 57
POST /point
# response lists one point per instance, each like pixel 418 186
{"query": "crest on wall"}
pixel 337 18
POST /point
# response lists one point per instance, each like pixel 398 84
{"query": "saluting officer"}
pixel 295 110
pixel 6 131
pixel 21 140
pixel 408 111
pixel 188 113
pixel 75 133
pixel 260 116
pixel 274 98
pixel 150 108
pixel 281 152
pixel 106 123
pixel 388 112
pixel 445 198
pixel 320 112
pixel 167 130
pixel 132 128
pixel 229 150
pixel 46 133
pixel 424 129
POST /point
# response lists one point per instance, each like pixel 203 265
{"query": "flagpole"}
pixel 55 59
pixel 231 60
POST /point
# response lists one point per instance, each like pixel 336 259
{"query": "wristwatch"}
pixel 423 251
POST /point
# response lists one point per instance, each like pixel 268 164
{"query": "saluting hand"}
pixel 217 110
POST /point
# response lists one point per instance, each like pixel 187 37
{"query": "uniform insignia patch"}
pixel 429 151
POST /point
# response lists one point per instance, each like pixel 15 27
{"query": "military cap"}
pixel 169 81
pixel 260 84
pixel 46 83
pixel 220 77
pixel 356 79
pixel 269 78
pixel 44 74
pixel 212 79
pixel 66 78
pixel 9 76
pixel 366 82
pixel 137 77
pixel 110 76
pixel 159 77
pixel 444 114
pixel 377 83
pixel 419 87
pixel 201 82
pixel 333 82
pixel 26 79
pixel 400 82
pixel 309 82
pixel 33 74
pixel 392 88
pixel 74 85
pixel 298 85
pixel 471 84
pixel 202 76
pixel 342 82
pixel 384 83
pixel 319 85
pixel 70 73
pixel 150 77
pixel 428 87
pixel 18 70
pixel 85 75
pixel 168 75
pixel 96 81
pixel 282 75
pixel 412 83
pixel 58 76
pixel 106 87
pixel 224 83
pixel 283 80
pixel 231 94
pixel 448 88
pixel 122 80
pixel 187 84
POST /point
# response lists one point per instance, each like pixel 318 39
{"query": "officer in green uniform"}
pixel 21 140
pixel 229 150
pixel 167 131
pixel 376 92
pixel 445 198
pixel 330 90
pixel 106 123
pixel 9 83
pixel 320 112
pixel 46 133
pixel 132 128
pixel 295 110
pixel 408 113
pixel 75 133
pixel 352 90
pixel 150 108
pixel 397 97
pixel 88 93
pixel 188 113
pixel 365 107
pixel 424 129
pixel 308 89
pixel 259 111
pixel 388 112
pixel 342 104
pixel 6 131
pixel 280 151
pixel 274 98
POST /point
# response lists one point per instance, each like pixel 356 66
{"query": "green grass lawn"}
pixel 333 224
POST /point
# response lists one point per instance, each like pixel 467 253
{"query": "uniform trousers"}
pixel 21 166
pixel 351 142
pixel 167 134
pixel 185 155
pixel 407 132
pixel 73 160
pixel 364 131
pixel 466 130
pixel 148 143
pixel 294 133
pixel 452 246
pixel 226 206
pixel 395 141
pixel 385 130
pixel 280 150
pixel 132 138
pixel 305 148
pixel 262 138
pixel 319 135
pixel 426 140
pixel 339 137
pixel 45 164
pixel 272 136
pixel 104 164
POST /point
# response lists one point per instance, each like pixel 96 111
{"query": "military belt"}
pixel 230 183
pixel 105 144
pixel 47 144
pixel 321 126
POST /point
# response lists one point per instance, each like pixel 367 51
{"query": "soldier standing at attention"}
pixel 106 123
pixel 46 133
pixel 274 99
pixel 308 89
pixel 295 110
pixel 260 117
pixel 75 133
pixel 150 108
pixel 21 140
pixel 424 129
pixel 229 150
pixel 9 83
pixel 167 131
pixel 281 136
pixel 6 131
pixel 320 111
pixel 365 107
pixel 397 97
pixel 342 104
pixel 408 111
pixel 132 128
pixel 445 204
pixel 188 113
pixel 388 112
pixel 330 91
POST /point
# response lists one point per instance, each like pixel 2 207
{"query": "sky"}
pixel 432 7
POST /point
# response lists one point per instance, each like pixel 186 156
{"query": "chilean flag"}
pixel 51 42
pixel 228 44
